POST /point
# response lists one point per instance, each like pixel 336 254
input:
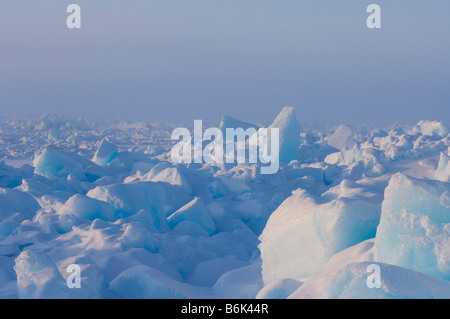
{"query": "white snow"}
pixel 442 172
pixel 279 289
pixel 107 197
pixel 230 122
pixel 414 227
pixel 196 212
pixel 432 127
pixel 304 232
pixel 350 282
pixel 342 138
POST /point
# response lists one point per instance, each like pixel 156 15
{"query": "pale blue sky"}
pixel 199 59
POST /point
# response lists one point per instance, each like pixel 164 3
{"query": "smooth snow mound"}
pixel 350 282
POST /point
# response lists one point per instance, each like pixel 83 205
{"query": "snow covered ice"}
pixel 107 197
pixel 415 224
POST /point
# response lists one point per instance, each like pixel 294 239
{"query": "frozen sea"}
pixel 107 197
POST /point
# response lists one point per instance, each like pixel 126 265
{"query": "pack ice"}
pixel 106 196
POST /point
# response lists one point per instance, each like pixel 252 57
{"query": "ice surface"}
pixel 139 226
pixel 279 289
pixel 196 212
pixel 16 205
pixel 57 164
pixel 87 208
pixel 350 282
pixel 38 277
pixel 230 122
pixel 414 227
pixel 173 176
pixel 289 130
pixel 138 236
pixel 304 232
pixel 342 138
pixel 241 283
pixel 346 275
pixel 432 127
pixel 92 278
pixel 208 272
pixel 105 153
pixel 442 172
pixel 11 177
pixel 128 199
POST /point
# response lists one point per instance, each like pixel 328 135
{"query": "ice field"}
pixel 106 196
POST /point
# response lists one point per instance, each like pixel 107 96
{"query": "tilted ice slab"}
pixel 105 153
pixel 54 164
pixel 414 230
pixel 289 130
pixel 304 232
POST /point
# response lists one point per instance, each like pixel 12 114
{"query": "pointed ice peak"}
pixel 105 153
pixel 286 119
pixel 289 131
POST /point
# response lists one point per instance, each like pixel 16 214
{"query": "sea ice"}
pixel 289 130
pixel 141 227
pixel 304 232
pixel 105 153
pixel 414 226
pixel 442 172
pixel 196 212
pixel 342 138
pixel 350 282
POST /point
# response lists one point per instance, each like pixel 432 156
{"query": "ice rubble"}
pixel 431 128
pixel 107 197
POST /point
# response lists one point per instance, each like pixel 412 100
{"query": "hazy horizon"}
pixel 186 60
